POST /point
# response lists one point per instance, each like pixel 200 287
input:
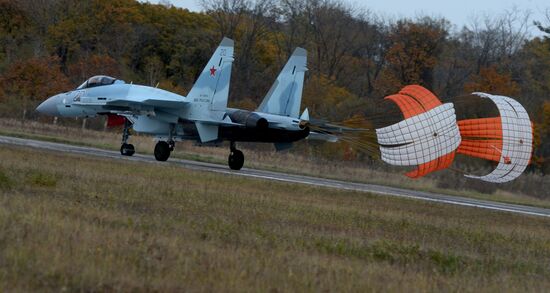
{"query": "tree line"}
pixel 355 57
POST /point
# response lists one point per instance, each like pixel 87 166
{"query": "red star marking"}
pixel 213 71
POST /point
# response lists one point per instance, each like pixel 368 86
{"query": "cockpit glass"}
pixel 95 81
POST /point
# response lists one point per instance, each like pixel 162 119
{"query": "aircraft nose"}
pixel 49 106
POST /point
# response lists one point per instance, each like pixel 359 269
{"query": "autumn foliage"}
pixel 92 65
pixel 489 80
pixel 414 52
pixel 355 58
pixel 30 81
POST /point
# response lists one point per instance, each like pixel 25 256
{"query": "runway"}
pixel 283 177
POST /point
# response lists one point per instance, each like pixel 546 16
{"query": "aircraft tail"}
pixel 285 95
pixel 212 86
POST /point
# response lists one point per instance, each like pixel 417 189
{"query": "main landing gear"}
pixel 236 157
pixel 126 149
pixel 163 150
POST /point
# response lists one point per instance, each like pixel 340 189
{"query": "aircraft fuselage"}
pixel 129 100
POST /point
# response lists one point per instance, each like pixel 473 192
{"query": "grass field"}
pixel 72 223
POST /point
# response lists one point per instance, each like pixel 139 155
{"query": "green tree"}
pixel 14 26
pixel 534 76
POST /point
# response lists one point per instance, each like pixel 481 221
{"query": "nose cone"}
pixel 49 106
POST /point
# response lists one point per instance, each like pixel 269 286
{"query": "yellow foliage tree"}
pixel 325 99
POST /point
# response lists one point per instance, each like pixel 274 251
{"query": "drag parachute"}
pixel 506 139
pixel 430 134
pixel 414 128
pixel 427 137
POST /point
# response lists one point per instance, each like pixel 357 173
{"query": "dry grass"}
pixel 72 223
pixel 296 162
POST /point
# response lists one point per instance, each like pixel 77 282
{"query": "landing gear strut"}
pixel 236 157
pixel 126 149
pixel 164 148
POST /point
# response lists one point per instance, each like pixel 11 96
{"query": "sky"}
pixel 458 12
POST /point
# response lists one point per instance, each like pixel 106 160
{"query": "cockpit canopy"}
pixel 98 80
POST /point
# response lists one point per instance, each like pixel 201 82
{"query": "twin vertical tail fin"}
pixel 212 86
pixel 212 90
pixel 285 95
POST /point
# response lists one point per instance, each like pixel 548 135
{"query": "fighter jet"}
pixel 202 115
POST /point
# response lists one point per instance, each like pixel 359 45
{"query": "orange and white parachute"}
pixel 507 139
pixel 430 135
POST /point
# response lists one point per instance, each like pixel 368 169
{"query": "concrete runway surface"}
pixel 283 177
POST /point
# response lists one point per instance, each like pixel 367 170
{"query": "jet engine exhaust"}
pixel 249 119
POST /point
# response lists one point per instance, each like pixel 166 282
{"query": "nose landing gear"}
pixel 127 149
pixel 236 157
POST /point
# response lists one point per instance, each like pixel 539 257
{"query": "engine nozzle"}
pixel 249 119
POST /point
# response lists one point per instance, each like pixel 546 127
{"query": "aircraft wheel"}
pixel 236 160
pixel 127 149
pixel 162 151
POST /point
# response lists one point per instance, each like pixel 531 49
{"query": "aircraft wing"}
pixel 137 98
